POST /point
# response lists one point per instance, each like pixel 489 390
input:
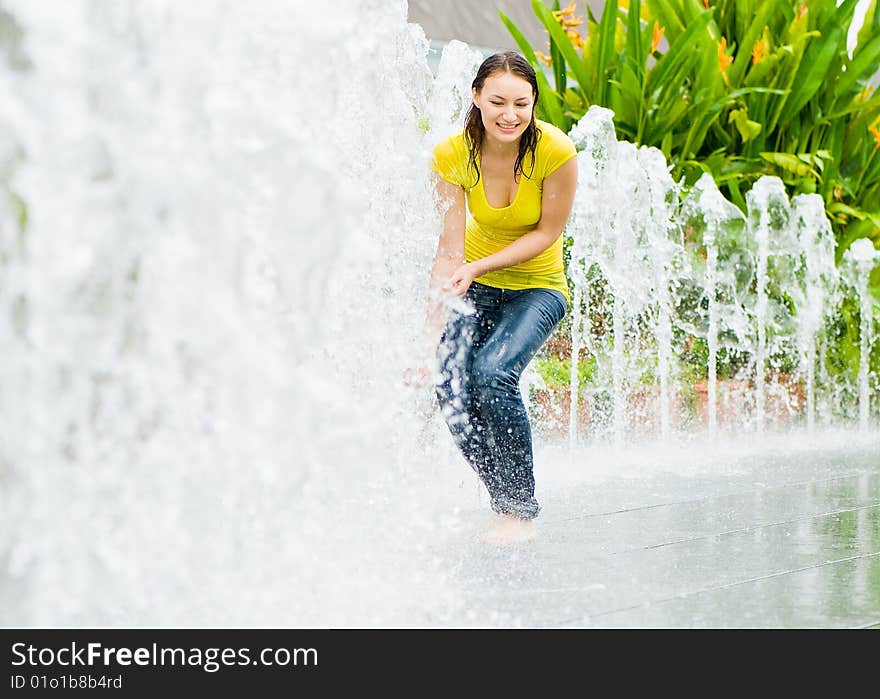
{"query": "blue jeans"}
pixel 481 358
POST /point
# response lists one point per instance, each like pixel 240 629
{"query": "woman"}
pixel 518 176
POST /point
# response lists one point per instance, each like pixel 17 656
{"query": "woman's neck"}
pixel 497 149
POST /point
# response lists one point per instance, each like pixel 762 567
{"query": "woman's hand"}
pixel 461 279
pixel 417 376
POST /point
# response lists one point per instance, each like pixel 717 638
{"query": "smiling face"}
pixel 506 103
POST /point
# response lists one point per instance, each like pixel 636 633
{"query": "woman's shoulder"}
pixel 453 144
pixel 553 136
pixel 554 147
pixel 450 158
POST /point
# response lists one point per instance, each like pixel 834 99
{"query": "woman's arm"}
pixel 556 202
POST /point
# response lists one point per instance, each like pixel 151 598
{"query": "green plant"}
pixel 556 372
pixel 843 347
pixel 745 88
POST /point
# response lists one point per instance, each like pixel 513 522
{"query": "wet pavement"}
pixel 774 539
pixel 733 533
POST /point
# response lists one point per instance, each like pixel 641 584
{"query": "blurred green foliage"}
pixel 736 88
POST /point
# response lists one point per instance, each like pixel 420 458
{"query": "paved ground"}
pixel 777 538
pixel 733 532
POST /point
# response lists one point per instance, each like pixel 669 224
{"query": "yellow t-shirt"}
pixel 489 229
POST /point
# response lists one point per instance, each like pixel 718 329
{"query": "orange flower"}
pixel 658 34
pixel 559 14
pixel 706 3
pixel 876 134
pixel 544 58
pixel 723 59
pixel 758 51
pixel 568 22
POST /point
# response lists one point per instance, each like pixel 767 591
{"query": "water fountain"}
pixel 722 224
pixel 762 285
pixel 621 228
pixel 216 222
pixel 184 316
pixel 861 259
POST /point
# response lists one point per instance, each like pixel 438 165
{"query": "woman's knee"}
pixel 489 375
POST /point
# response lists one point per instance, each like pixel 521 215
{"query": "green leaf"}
pixel 679 52
pixel 707 78
pixel 691 9
pixel 744 48
pixel 607 27
pixel 670 16
pixel 666 144
pixel 574 101
pixel 862 68
pixel 871 25
pixel 853 212
pixel 871 172
pixel 747 128
pixel 634 39
pixel 665 124
pixel 564 43
pixel 789 163
pixel 629 98
pixel 735 195
pixel 835 143
pixel 813 72
pixel 558 61
pixel 630 85
pixel 706 112
pixel 548 100
pixel 852 232
pixel 759 74
pixel 872 103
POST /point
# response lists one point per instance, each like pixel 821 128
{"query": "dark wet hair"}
pixel 504 62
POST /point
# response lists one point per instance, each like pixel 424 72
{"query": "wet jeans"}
pixel 481 358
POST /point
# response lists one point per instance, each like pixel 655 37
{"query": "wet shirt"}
pixel 490 229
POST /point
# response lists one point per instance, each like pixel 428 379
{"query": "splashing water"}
pixel 721 223
pixel 213 268
pixel 861 258
pixel 669 264
pixel 196 377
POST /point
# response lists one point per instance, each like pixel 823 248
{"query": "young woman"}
pixel 518 176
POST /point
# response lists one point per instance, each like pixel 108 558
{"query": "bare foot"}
pixel 507 530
